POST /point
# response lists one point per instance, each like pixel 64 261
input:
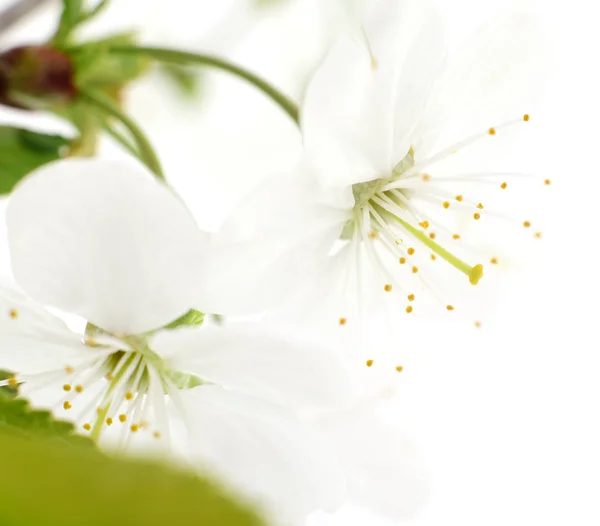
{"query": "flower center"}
pixel 383 212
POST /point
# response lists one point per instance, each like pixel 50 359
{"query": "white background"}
pixel 507 416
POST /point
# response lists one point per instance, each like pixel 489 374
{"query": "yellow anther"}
pixel 431 235
pixel 459 198
pixel 67 387
pixel 476 274
pixel 109 421
pixel 411 297
pixel 409 309
pixel 433 257
pixel 144 424
pixel 425 177
pixel 402 261
pixel 369 363
pixel 69 369
pixel 424 224
pixel 13 382
pixel 494 261
pixel 90 342
pixel 538 235
pixel 492 131
pixel 415 270
pixel 526 224
pixel 387 288
pixel 456 236
pixel 480 206
pixel 547 182
pixel 14 314
pixel 399 368
pixel 87 427
pixel 99 410
pixel 67 405
pixel 110 377
pixel 122 417
pixel 373 234
pixel 446 204
pixel 477 216
pixel 503 186
pixel 343 321
pixel 128 396
pixel 156 434
pixel 526 117
pixel 410 251
pixel 449 307
pixel 478 324
pixel 79 388
pixel 134 428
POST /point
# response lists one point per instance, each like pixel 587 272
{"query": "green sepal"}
pixel 192 318
pixel 22 151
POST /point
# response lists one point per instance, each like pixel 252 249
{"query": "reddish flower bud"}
pixel 35 77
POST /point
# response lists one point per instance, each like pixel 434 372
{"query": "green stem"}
pixel 109 108
pixel 184 58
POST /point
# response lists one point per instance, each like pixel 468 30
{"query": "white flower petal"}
pixel 104 240
pixel 32 340
pixel 273 362
pixel 279 234
pixel 494 76
pixel 386 471
pixel 346 117
pixel 262 451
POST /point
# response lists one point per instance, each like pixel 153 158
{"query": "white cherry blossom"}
pixel 408 181
pixel 109 243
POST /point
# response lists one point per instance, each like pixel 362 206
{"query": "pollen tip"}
pixel 477 216
pixel 79 388
pixel 411 251
pixel 431 235
pixel 369 363
pixel 411 297
pixel 69 369
pixel 476 274
pixel 425 177
pixel 492 131
pixel 67 405
pixel 156 434
pixel 387 288
pixel 402 261
pixel 372 234
pixel 13 313
pixel 87 426
pixel 13 382
pixel 343 321
pixel 547 182
pixel 446 204
pixel 409 309
pixel 503 186
pixel 415 270
pixel 478 324
pixel 526 117
pixel 449 307
pixel 494 261
pixel 399 368
pixel 109 421
pixel 538 235
pixel 122 417
pixel 67 387
pixel 134 428
pixel 128 396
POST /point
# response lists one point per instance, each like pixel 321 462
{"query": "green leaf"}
pixel 192 318
pixel 48 484
pixel 19 419
pixel 22 151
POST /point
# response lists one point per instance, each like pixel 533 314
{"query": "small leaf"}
pixel 22 151
pixel 47 483
pixel 18 418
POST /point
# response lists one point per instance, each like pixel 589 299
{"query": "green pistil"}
pixel 474 273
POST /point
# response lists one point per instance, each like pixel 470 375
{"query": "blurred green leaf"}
pixel 48 484
pixel 22 151
pixel 19 419
pixel 95 67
